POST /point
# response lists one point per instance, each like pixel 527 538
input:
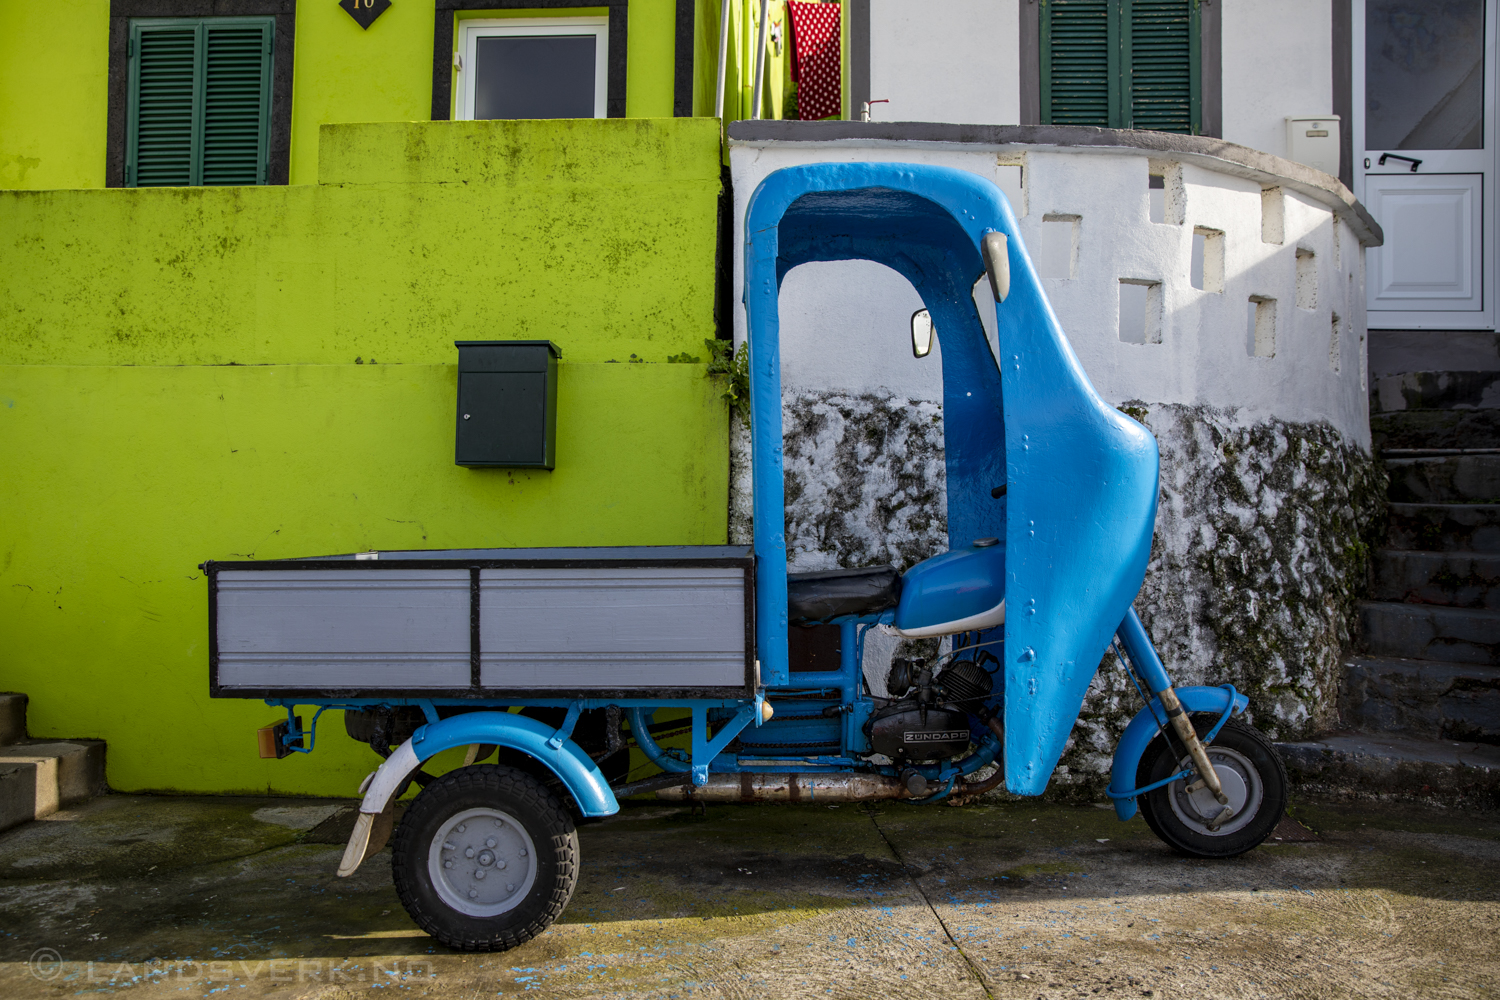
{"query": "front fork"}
pixel 1132 635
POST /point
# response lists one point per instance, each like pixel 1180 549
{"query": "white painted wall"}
pixel 845 323
pixel 958 61
pixel 945 61
pixel 1278 63
pixel 819 306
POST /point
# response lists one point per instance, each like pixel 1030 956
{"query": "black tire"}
pixel 499 810
pixel 1178 819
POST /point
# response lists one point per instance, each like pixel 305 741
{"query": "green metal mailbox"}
pixel 507 403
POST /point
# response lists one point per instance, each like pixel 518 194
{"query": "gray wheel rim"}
pixel 1242 785
pixel 482 862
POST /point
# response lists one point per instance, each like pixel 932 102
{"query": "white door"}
pixel 1424 142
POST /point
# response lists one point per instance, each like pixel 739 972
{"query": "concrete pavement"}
pixel 156 896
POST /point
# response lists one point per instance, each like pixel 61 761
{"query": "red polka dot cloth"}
pixel 816 65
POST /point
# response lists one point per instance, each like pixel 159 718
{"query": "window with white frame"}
pixel 552 67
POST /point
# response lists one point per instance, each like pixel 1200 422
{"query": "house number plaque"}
pixel 365 11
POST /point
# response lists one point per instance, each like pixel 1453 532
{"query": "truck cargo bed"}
pixel 643 622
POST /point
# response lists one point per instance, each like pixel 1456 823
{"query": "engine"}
pixel 930 719
pixel 917 735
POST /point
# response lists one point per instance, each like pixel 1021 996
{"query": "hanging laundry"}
pixel 816 63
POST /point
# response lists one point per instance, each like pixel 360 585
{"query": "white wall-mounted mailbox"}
pixel 1315 142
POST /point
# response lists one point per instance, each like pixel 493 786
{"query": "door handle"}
pixel 1397 156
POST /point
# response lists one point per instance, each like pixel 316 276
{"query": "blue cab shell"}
pixel 1077 520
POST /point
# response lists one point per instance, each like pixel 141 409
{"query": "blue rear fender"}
pixel 565 759
pixel 1144 726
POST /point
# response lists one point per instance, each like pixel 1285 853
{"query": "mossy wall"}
pixel 224 373
pixel 54 78
pixel 1261 554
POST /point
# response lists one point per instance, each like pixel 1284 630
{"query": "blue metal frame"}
pixel 552 746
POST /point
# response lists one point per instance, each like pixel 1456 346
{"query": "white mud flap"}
pixel 377 813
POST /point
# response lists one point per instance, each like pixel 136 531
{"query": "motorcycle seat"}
pixel 817 597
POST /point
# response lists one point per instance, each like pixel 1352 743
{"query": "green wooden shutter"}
pixel 1079 62
pixel 236 102
pixel 1162 40
pixel 200 101
pixel 164 68
pixel 1121 64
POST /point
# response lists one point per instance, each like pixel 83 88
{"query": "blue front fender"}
pixel 565 759
pixel 1144 726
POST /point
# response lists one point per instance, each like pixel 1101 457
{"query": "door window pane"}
pixel 1424 74
pixel 534 76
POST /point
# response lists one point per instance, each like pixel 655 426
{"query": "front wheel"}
pixel 1253 778
pixel 485 859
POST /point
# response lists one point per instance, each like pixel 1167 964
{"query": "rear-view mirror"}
pixel 922 333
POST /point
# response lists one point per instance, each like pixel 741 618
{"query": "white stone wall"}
pixel 959 61
pixel 1267 480
pixel 945 61
pixel 844 323
pixel 1278 63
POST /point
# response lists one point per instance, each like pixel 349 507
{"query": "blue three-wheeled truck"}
pixel 537 660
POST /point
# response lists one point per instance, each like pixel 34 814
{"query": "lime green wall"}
pixel 344 73
pixel 178 381
pixel 54 61
pixel 648 66
pixel 421 233
pixel 54 84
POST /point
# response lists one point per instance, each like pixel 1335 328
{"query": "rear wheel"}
pixel 485 859
pixel 1253 778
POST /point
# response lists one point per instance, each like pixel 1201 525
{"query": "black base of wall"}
pixel 1394 352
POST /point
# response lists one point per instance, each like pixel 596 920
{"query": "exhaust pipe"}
pixel 789 788
pixel 825 787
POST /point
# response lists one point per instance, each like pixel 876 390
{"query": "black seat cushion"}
pixel 816 597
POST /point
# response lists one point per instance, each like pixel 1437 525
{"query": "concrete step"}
pixel 1452 579
pixel 12 718
pixel 1426 699
pixel 1435 429
pixel 1435 391
pixel 1444 479
pixel 37 778
pixel 1357 765
pixel 1430 632
pixel 1444 527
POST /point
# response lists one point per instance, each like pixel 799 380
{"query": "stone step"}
pixel 1444 527
pixel 1422 698
pixel 1363 766
pixel 1435 429
pixel 1430 632
pixel 38 778
pixel 1444 479
pixel 1435 391
pixel 12 718
pixel 1452 579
